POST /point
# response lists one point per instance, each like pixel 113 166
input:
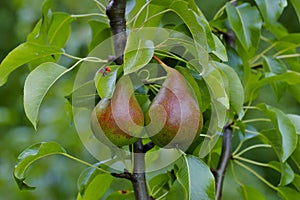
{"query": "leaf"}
pixel 246 24
pixel 285 128
pixel 196 178
pixel 288 193
pixel 236 90
pixel 220 50
pixel 100 32
pixel 287 173
pixel 159 184
pixel 32 154
pixel 295 119
pixel 271 10
pixel 121 195
pixel 105 81
pixel 251 193
pixel 296 182
pixel 137 54
pixel 23 54
pixel 296 154
pixel 296 5
pixel 37 84
pixel 97 187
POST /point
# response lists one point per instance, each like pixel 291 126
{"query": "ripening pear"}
pixel 176 111
pixel 119 120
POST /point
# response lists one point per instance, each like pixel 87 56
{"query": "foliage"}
pixel 243 65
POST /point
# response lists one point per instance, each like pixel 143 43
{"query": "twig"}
pixel 116 14
pixel 223 162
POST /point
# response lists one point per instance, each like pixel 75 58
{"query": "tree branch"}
pixel 116 14
pixel 223 162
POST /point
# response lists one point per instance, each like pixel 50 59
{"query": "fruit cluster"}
pixel 172 120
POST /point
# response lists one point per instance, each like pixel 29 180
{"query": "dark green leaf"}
pixel 100 32
pixel 23 54
pixel 37 84
pixel 287 173
pixel 295 119
pixel 284 126
pixel 32 154
pixel 296 5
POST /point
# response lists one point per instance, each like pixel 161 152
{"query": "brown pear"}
pixel 174 118
pixel 118 121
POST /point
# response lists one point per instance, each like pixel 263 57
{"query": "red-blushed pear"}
pixel 176 106
pixel 119 120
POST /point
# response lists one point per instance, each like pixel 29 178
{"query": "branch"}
pixel 223 162
pixel 116 14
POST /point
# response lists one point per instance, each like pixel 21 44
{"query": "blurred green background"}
pixel 55 176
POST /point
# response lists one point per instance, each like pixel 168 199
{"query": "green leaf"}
pixel 246 23
pixel 288 193
pixel 105 81
pixel 29 156
pixel 220 50
pixel 296 154
pixel 271 10
pixel 97 187
pixel 287 173
pixel 138 53
pixel 250 193
pixel 236 90
pixel 295 119
pixel 121 195
pixel 296 5
pixel 37 84
pixel 100 32
pixel 159 184
pixel 23 54
pixel 284 126
pixel 296 182
pixel 196 178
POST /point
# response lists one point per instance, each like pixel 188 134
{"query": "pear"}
pixel 176 111
pixel 118 120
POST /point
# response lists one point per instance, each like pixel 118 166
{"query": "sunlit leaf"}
pixel 37 84
pixel 138 53
pixel 105 80
pixel 236 90
pixel 23 54
pixel 29 156
pixel 288 136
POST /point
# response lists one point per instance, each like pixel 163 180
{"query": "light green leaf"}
pixel 97 187
pixel 105 81
pixel 23 54
pixel 296 5
pixel 137 54
pixel 37 84
pixel 197 178
pixel 271 10
pixel 288 136
pixel 121 195
pixel 220 50
pixel 29 156
pixel 250 193
pixel 288 193
pixel 295 119
pixel 235 90
pixel 246 23
pixel 100 32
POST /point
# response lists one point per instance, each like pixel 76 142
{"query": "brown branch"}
pixel 116 14
pixel 219 173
